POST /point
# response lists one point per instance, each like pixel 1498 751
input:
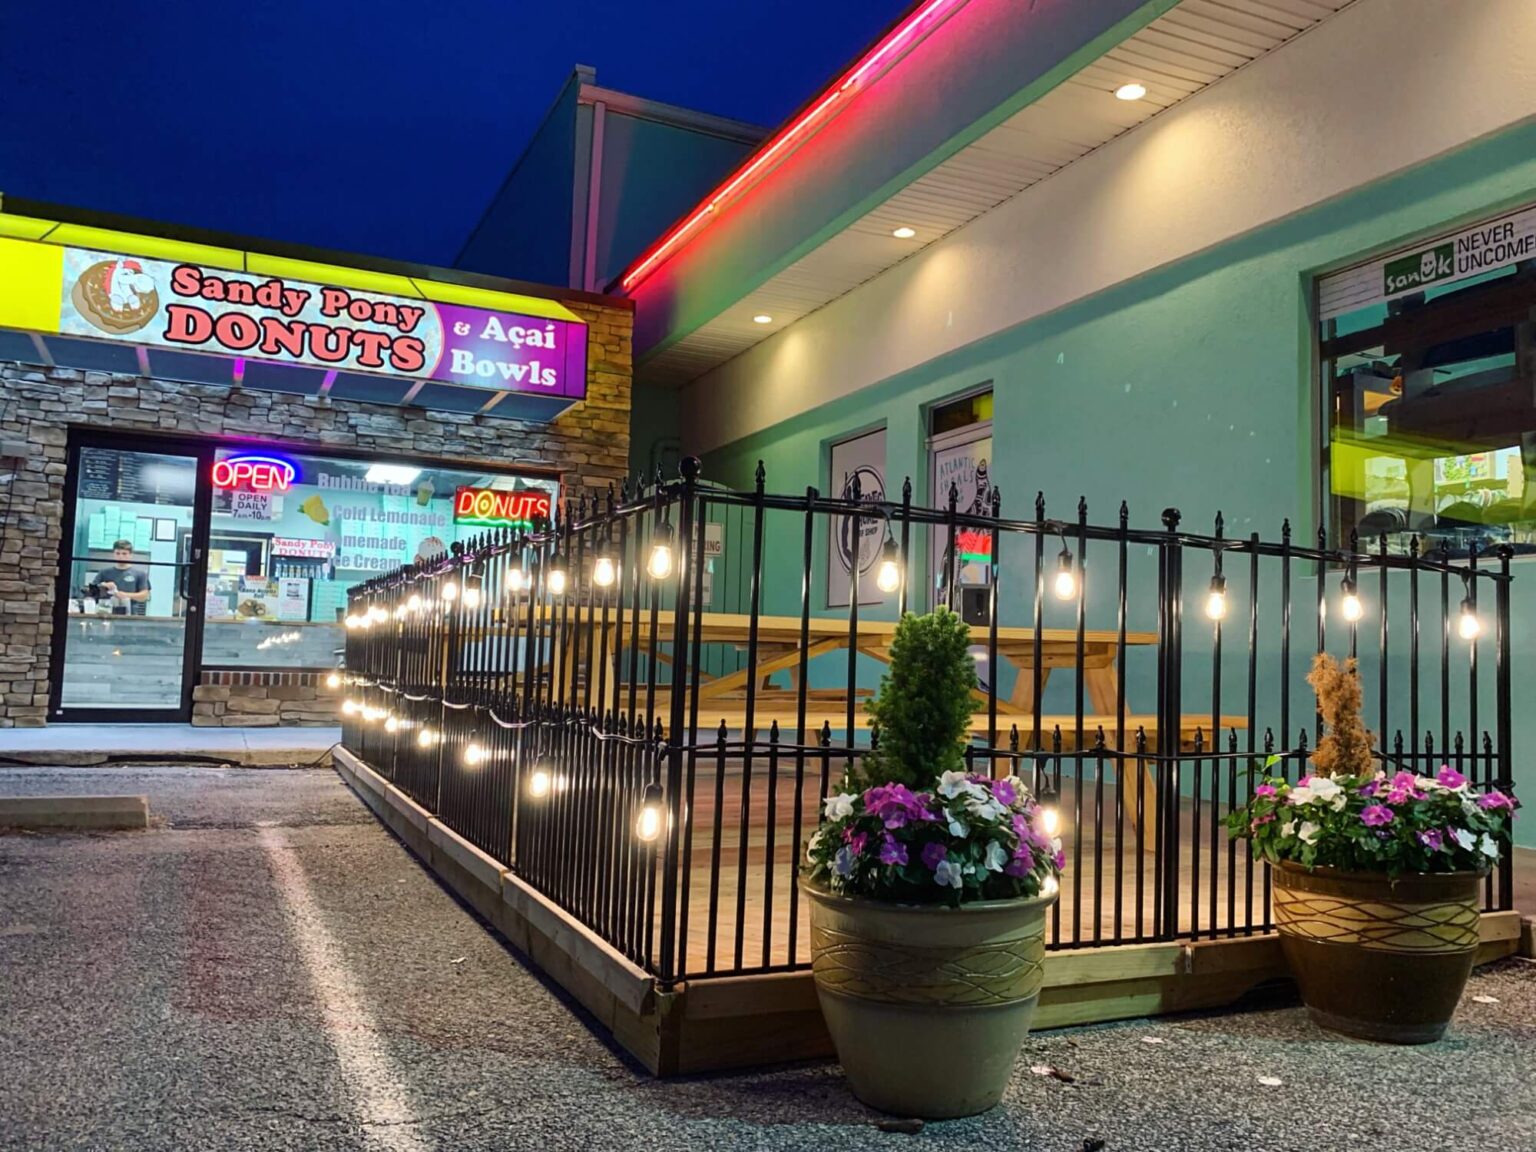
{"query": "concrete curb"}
pixel 91 812
pixel 100 757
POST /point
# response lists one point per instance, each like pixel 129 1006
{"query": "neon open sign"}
pixel 254 473
pixel 500 508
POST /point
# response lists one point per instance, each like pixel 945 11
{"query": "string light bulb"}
pixel 475 755
pixel 659 565
pixel 333 680
pixel 648 822
pixel 471 592
pixel 603 572
pixel 350 707
pixel 1066 575
pixel 377 614
pixel 1050 814
pixel 414 603
pixel 391 724
pixel 450 591
pixel 353 620
pixel 1469 627
pixel 556 581
pixel 517 580
pixel 540 782
pixel 1216 600
pixel 1351 607
pixel 426 738
pixel 888 575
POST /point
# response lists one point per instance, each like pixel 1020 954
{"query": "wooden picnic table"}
pixel 779 638
pixel 722 699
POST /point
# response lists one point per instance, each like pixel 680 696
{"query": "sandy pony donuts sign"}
pixel 194 308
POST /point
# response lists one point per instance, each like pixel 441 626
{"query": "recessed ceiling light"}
pixel 904 233
pixel 391 474
pixel 762 318
pixel 1130 91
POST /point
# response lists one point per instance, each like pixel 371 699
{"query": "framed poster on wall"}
pixel 862 459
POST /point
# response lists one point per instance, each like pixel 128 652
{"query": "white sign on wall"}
pixel 859 461
pixel 250 505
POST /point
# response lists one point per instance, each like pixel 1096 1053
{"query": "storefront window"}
pixel 1428 367
pixel 291 533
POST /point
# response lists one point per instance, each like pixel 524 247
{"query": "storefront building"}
pixel 1179 254
pixel 212 443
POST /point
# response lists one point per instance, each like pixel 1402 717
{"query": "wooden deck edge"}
pixel 746 1021
pixel 741 1021
pixel 619 994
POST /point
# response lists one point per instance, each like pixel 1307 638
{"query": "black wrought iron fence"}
pixel 641 709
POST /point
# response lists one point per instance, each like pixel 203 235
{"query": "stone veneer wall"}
pixel 589 445
pixel 264 700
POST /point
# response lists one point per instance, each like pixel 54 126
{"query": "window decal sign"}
pixel 302 548
pixel 191 307
pixel 1492 244
pixel 500 508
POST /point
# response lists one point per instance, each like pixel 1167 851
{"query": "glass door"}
pixel 960 456
pixel 128 613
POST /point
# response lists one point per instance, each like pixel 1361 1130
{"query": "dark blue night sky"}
pixel 380 127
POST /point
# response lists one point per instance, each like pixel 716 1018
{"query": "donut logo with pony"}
pixel 116 296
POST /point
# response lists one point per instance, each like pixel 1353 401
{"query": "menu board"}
pixel 136 477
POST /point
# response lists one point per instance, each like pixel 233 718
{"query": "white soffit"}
pixel 1192 45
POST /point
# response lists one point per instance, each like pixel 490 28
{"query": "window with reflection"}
pixel 1428 367
pixel 290 534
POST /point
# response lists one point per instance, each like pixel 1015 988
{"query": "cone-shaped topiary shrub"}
pixel 925 703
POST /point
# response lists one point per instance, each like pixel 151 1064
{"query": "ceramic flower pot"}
pixel 1377 958
pixel 928 1006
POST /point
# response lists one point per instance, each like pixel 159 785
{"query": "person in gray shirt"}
pixel 127 586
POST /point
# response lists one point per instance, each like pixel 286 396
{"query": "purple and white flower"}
pixel 1449 778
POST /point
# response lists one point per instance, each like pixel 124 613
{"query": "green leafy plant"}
pixel 1353 816
pixel 912 825
pixel 1374 822
pixel 924 707
pixel 965 838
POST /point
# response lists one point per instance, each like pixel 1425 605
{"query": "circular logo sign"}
pixel 871 528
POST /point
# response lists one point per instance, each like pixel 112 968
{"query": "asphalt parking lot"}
pixel 268 968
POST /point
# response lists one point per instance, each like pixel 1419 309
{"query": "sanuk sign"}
pixel 1465 254
pixel 1481 248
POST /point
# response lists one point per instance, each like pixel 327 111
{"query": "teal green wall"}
pixel 1187 387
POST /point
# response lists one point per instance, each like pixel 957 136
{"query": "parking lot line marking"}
pixel 375 1086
